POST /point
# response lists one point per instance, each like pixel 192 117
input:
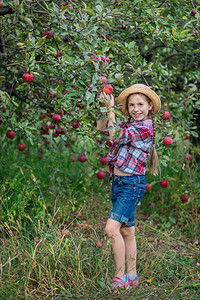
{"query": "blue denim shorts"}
pixel 127 191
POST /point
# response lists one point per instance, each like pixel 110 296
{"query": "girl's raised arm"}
pixel 111 115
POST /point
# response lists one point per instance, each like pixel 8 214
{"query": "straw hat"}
pixel 139 88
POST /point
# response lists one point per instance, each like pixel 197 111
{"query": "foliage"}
pixel 146 41
pixel 53 207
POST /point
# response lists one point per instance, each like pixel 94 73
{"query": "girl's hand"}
pixel 109 103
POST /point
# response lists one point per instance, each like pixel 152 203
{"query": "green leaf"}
pixel 167 225
pixel 195 134
pixel 99 8
pixel 172 220
pixel 27 20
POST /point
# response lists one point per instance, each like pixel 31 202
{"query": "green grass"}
pixel 53 212
pixel 47 264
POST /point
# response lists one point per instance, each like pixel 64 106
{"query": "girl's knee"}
pixel 112 229
pixel 128 231
pixel 109 230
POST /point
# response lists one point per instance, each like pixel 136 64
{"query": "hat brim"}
pixel 139 88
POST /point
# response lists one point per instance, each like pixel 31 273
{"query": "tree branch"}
pixel 2 44
pixel 6 11
pixel 13 92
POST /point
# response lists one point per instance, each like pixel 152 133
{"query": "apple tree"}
pixel 57 55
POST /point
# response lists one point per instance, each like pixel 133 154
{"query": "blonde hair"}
pixel 154 161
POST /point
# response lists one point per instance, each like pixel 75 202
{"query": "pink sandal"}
pixel 134 282
pixel 119 284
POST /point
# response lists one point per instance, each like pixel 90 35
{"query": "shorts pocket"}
pixel 140 194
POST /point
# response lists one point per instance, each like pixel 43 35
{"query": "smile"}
pixel 137 115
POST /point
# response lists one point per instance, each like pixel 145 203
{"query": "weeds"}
pixel 52 240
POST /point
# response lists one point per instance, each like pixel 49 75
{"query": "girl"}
pixel 127 162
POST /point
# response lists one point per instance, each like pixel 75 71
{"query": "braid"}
pixel 154 162
pixel 154 128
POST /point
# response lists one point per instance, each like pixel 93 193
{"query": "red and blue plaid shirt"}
pixel 129 152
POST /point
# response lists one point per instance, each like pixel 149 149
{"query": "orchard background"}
pixel 55 57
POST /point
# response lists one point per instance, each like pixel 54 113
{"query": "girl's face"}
pixel 138 107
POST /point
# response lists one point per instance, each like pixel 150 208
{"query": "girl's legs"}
pixel 128 234
pixel 112 230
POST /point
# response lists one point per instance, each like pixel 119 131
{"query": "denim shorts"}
pixel 127 191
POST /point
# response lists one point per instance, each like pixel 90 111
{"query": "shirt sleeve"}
pixel 138 135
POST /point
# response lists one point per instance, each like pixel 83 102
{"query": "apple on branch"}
pixel 21 147
pixel 56 118
pixel 101 174
pixel 10 134
pixel 108 89
pixel 82 158
pixel 164 183
pixel 167 141
pixel 28 77
pixel 148 187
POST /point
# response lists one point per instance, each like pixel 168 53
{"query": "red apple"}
pixel 82 158
pixel 56 118
pixel 193 12
pixel 148 187
pixel 75 124
pixel 42 116
pixel 167 141
pixel 109 143
pixel 166 115
pixel 108 59
pixel 28 77
pixel 10 134
pixel 108 89
pixel 103 59
pixel 184 198
pixel 94 58
pixel 55 134
pixel 60 112
pixel 103 79
pixel 48 113
pixel 164 183
pixel 45 127
pixel 59 130
pixel 101 174
pixel 187 137
pixel 188 157
pixel 48 34
pixel 98 140
pixel 21 147
pixel 72 158
pixel 103 160
pixel 52 126
pixel 59 53
pixel 1 4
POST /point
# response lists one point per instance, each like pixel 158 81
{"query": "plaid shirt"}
pixel 129 152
